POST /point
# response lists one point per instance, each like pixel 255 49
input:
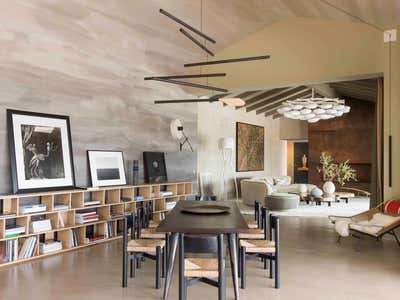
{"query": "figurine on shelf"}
pixel 304 161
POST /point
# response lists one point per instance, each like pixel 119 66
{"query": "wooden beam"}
pixel 272 108
pixel 263 95
pixel 277 116
pixel 294 94
pixel 285 93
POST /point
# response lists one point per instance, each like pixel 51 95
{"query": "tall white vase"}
pixel 329 187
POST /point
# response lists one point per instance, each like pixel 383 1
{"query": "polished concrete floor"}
pixel 313 267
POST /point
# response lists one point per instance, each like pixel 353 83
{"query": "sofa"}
pixel 256 188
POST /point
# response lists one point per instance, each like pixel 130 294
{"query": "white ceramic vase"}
pixel 328 187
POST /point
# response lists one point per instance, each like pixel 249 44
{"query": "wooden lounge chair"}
pixel 374 223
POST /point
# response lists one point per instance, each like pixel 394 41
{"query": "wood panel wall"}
pixel 349 137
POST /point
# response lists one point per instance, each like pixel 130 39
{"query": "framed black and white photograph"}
pixel 106 168
pixel 155 169
pixel 40 151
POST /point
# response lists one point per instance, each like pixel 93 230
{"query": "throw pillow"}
pixel 392 207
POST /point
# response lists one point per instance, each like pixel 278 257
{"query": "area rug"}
pixel 356 205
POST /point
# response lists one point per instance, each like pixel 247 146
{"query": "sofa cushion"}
pixel 266 179
pixel 282 180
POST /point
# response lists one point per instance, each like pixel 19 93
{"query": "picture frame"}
pixel 40 151
pixel 249 147
pixel 106 168
pixel 155 169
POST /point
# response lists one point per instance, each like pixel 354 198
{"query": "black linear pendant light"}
pixel 226 61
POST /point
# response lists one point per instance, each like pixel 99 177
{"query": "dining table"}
pixel 178 223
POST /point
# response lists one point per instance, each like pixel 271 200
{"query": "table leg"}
pixel 234 259
pixel 171 262
pixel 221 268
pixel 182 284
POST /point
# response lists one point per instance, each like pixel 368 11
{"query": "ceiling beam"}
pixel 277 116
pixel 266 100
pixel 262 95
pixel 300 92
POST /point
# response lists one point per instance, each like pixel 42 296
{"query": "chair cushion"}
pixel 392 207
pixel 201 267
pixel 375 224
pixel 258 246
pixel 143 245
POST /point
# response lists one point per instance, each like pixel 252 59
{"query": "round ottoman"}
pixel 282 201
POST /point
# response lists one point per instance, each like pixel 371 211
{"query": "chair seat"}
pixel 150 233
pixel 201 267
pixel 142 245
pixel 252 234
pixel 258 246
pixel 153 224
pixel 252 224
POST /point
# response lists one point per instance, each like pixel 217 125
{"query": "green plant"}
pixel 339 172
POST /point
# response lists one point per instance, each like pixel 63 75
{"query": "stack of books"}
pixel 114 214
pixel 74 240
pixel 86 217
pixel 97 238
pixel 14 231
pixel 170 205
pixel 50 246
pixel 9 251
pixel 139 198
pixel 59 207
pixel 28 248
pixel 7 215
pixel 166 193
pixel 40 226
pixel 32 208
pixel 92 202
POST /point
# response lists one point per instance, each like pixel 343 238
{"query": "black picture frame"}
pixel 149 175
pixel 123 172
pixel 15 172
pixel 238 137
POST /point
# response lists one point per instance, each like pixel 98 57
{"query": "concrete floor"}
pixel 313 267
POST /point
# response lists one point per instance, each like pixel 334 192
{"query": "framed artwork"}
pixel 155 169
pixel 40 151
pixel 106 167
pixel 249 147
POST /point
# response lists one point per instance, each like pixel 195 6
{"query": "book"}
pixel 61 221
pixel 34 208
pixel 59 207
pixel 7 215
pixel 14 231
pixel 166 193
pixel 92 202
pixel 86 217
pixel 139 198
pixel 40 226
pixel 50 246
pixel 27 249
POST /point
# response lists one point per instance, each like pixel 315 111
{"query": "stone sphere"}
pixel 328 187
pixel 317 192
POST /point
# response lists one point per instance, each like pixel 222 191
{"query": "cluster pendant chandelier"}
pixel 176 79
pixel 313 109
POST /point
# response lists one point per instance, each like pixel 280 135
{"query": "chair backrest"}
pixel 206 186
pixel 200 244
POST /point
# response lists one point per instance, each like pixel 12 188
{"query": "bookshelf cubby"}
pixel 62 207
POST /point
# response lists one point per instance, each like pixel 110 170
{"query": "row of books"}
pixel 170 205
pixel 109 231
pixel 29 247
pixel 50 246
pixel 9 251
pixel 32 208
pixel 74 240
pixel 86 217
pixel 40 226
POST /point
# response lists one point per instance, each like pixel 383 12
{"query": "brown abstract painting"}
pixel 249 147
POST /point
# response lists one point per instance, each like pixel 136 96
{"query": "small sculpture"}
pixel 304 161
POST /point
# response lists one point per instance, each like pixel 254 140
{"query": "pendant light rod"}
pixel 225 61
pixel 191 28
pixel 200 45
pixel 195 85
pixel 186 76
pixel 184 101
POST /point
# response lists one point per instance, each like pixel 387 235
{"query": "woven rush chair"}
pixel 266 249
pixel 257 214
pixel 137 249
pixel 258 231
pixel 148 226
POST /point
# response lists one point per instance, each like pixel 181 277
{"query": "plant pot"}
pixel 328 187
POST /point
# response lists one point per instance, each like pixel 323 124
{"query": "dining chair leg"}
pixel 221 269
pixel 265 263
pixel 158 267
pixel 277 275
pixel 171 263
pixel 243 267
pixel 234 263
pixel 238 253
pixel 132 266
pixel 271 269
pixel 182 283
pixel 164 263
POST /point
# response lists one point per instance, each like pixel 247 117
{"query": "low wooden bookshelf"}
pixel 114 202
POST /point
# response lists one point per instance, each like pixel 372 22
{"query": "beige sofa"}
pixel 256 188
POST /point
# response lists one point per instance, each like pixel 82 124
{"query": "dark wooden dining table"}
pixel 228 224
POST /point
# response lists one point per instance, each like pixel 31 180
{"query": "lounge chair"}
pixel 374 223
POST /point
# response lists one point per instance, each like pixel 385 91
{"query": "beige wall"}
pixel 293 130
pixel 216 121
pixel 315 51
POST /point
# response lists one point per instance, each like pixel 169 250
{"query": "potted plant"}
pixel 339 172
